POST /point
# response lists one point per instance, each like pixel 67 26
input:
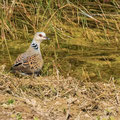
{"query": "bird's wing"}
pixel 28 64
pixel 19 59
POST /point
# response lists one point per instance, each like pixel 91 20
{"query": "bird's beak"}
pixel 47 38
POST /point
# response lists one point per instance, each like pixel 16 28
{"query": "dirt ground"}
pixel 57 98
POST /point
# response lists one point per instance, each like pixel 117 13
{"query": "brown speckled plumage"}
pixel 30 62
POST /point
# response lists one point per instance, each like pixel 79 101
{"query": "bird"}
pixel 31 61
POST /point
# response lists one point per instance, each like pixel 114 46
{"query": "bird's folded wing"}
pixel 29 64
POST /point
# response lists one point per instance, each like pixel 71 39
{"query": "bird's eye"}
pixel 40 35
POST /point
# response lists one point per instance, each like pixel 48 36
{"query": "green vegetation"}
pixel 81 46
pixel 10 101
pixel 35 118
pixel 19 117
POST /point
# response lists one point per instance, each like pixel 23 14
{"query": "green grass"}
pixel 10 101
pixel 81 46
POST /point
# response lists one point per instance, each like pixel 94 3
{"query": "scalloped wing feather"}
pixel 29 65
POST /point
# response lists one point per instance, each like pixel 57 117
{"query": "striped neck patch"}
pixel 35 46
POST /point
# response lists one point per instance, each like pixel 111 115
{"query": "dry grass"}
pixel 57 98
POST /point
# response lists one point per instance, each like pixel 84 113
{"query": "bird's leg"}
pixel 33 75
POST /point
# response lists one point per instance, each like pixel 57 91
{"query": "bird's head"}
pixel 40 36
